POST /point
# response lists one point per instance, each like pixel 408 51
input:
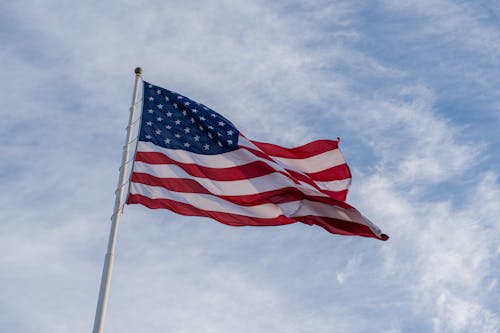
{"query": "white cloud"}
pixel 448 252
pixel 462 23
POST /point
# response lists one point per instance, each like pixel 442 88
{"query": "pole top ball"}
pixel 138 71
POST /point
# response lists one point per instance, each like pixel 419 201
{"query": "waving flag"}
pixel 193 161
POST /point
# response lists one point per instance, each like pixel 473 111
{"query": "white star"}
pixel 158 131
pixel 192 120
pixel 186 103
pixel 177 122
pixel 210 135
pixel 184 113
pixel 210 127
pixel 187 130
pixel 149 123
pixel 213 115
pixel 167 141
pixel 221 123
pixel 169 114
pixel 148 137
pixel 219 135
pixel 201 128
pixel 194 110
pixel 150 111
pixel 229 142
pixel 151 98
pixel 206 147
pixel 177 135
pixel 158 91
pixel 168 127
pixel 179 97
pixel 150 86
pixel 159 118
pixel 230 132
pixel 202 118
pixel 175 106
pixel 160 106
pixel 219 143
pixel 187 144
pixel 196 138
pixel 167 99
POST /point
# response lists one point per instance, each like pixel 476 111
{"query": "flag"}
pixel 193 161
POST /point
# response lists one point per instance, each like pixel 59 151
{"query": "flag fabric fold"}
pixel 193 161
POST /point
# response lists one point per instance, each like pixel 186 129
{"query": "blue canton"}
pixel 174 121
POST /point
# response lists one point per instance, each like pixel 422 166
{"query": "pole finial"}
pixel 138 71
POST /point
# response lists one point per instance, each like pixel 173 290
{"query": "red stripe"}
pixel 337 195
pixel 258 153
pixel 341 227
pixel 302 177
pixel 277 196
pixel 305 151
pixel 246 171
pixel 334 226
pixel 337 172
pixel 189 210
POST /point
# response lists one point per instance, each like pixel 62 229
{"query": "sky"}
pixel 410 87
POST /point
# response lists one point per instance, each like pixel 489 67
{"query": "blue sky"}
pixel 411 87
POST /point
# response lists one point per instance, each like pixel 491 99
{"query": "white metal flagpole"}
pixel 102 303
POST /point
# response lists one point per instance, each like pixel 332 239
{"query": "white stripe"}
pixel 244 142
pixel 314 163
pixel 313 208
pixel 335 185
pixel 227 160
pixel 274 181
pixel 209 202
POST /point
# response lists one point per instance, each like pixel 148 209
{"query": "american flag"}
pixel 193 161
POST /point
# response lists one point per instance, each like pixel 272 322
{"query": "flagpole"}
pixel 102 303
